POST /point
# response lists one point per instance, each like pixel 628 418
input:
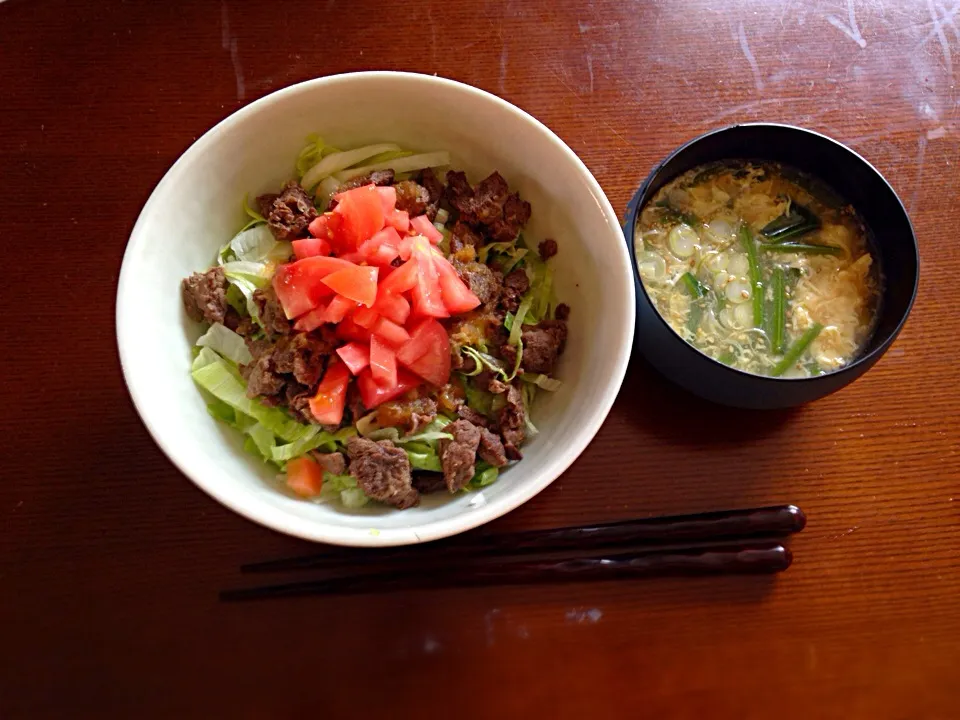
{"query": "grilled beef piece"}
pixel 204 296
pixel 382 471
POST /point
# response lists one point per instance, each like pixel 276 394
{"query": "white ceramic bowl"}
pixel 196 208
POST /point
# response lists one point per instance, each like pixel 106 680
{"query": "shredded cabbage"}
pixel 227 343
pixel 341 160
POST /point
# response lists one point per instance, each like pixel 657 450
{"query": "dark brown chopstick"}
pixel 754 558
pixel 703 527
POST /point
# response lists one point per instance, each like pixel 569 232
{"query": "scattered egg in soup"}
pixel 761 267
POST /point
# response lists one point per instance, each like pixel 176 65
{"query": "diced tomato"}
pixel 299 285
pixel 406 247
pixel 391 306
pixel 422 225
pixel 457 297
pixel 402 279
pixel 383 256
pixel 355 355
pixel 361 215
pixel 357 282
pixel 383 362
pixel 312 320
pixel 427 353
pixel 338 308
pixel 324 226
pixel 387 235
pixel 388 199
pixel 399 220
pixel 327 405
pixel 365 317
pixel 309 247
pixel 373 394
pixel 394 334
pixel 304 476
pixel 427 297
pixel 349 330
pixel 381 249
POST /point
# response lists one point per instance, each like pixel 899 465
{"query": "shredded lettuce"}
pixel 257 273
pixel 510 254
pixel 258 245
pixel 368 427
pixel 225 384
pixel 516 327
pixel 310 155
pixel 344 488
pixel 516 364
pixel 339 161
pixel 263 439
pixel 227 343
pixel 219 410
pixel 400 165
pixel 432 432
pixel 235 299
pixel 484 475
pixel 326 190
pixel 321 440
pixel 542 381
pixel 484 360
pixel 540 293
pixel 388 155
pixel 423 459
pixel 318 440
pixel 527 393
pixel 205 357
pixel 255 217
pixel 353 498
pixel 423 448
pixel 240 284
pixel 479 400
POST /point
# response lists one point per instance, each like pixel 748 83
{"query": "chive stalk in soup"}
pixel 761 267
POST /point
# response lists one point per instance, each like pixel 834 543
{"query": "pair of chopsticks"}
pixel 727 542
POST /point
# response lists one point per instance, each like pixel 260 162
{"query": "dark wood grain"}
pixel 110 560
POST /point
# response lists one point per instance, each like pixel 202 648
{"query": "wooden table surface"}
pixel 110 560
